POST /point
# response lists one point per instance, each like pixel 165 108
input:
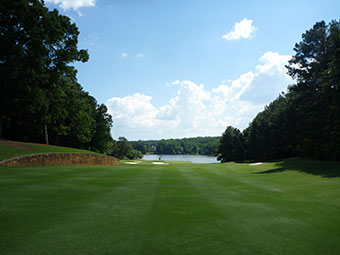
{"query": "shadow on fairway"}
pixel 322 168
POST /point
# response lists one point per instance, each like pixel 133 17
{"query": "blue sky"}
pixel 171 69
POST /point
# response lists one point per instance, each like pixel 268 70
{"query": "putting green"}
pixel 288 207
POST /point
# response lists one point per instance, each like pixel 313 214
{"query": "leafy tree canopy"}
pixel 305 121
pixel 40 99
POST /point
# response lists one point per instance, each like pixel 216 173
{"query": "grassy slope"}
pixel 276 208
pixel 10 149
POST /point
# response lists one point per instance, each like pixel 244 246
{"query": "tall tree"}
pixel 306 120
pixel 272 133
pixel 122 149
pixel 317 92
pixel 231 146
pixel 36 48
pixel 102 140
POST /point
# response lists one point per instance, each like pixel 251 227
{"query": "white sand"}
pixel 159 163
pixel 133 162
pixel 256 164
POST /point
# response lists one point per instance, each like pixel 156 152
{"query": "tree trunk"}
pixel 1 131
pixel 46 134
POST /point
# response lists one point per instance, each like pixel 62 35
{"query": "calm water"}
pixel 190 158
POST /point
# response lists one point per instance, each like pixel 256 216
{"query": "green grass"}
pixel 287 207
pixel 10 149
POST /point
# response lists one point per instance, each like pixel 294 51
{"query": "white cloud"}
pixel 124 54
pixel 72 4
pixel 273 59
pixel 270 78
pixel 137 109
pixel 140 55
pixel 197 111
pixel 243 29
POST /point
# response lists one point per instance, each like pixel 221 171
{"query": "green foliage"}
pixel 102 140
pixel 39 93
pixel 271 134
pixel 231 146
pixel 134 154
pixel 305 121
pixel 197 145
pixel 316 96
pixel 122 149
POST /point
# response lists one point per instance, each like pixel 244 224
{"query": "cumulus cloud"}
pixel 124 54
pixel 270 78
pixel 72 4
pixel 197 111
pixel 243 29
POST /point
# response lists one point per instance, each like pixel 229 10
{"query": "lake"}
pixel 190 158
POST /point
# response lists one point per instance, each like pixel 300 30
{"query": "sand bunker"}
pixel 256 164
pixel 133 162
pixel 159 163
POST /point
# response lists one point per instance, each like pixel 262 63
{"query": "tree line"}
pixel 123 149
pixel 197 145
pixel 304 121
pixel 40 98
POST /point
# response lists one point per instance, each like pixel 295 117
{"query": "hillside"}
pixel 10 149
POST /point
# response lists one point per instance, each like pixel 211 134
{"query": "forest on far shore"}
pixel 193 146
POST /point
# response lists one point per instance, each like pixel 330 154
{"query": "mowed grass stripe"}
pixel 233 231
pixel 168 209
pixel 180 218
pixel 263 213
pixel 75 213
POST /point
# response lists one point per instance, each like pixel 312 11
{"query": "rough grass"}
pixel 10 149
pixel 275 208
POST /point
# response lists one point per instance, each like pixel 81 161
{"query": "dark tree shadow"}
pixel 328 169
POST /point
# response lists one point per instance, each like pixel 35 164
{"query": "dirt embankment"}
pixel 61 159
